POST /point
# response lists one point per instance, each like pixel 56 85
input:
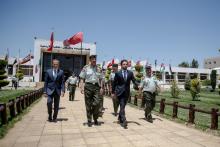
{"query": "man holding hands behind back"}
pixel 54 88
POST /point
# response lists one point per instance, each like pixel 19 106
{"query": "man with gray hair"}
pixel 54 87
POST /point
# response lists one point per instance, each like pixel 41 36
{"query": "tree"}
pixel 194 64
pixel 3 82
pixel 213 80
pixel 184 64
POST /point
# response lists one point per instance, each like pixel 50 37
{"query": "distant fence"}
pixel 16 106
pixel 214 112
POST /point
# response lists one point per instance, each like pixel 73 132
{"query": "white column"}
pixel 198 76
pixel 176 77
pixel 14 69
pixel 208 76
pixel 164 77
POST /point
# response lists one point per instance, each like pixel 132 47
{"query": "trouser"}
pixel 101 102
pixel 92 100
pixel 56 98
pixel 122 102
pixel 115 104
pixel 149 99
pixel 72 89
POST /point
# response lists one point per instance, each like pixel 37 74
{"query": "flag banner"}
pixel 162 68
pixel 75 39
pixel 51 43
pixel 26 59
pixel 170 70
pixel 15 61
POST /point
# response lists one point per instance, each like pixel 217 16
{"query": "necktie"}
pixel 55 74
pixel 125 75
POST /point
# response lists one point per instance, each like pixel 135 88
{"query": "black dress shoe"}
pixel 55 120
pixel 50 119
pixel 96 123
pixel 89 124
pixel 125 125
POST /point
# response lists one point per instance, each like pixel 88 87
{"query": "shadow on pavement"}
pixel 62 119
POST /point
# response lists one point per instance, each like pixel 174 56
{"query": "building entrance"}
pixel 69 63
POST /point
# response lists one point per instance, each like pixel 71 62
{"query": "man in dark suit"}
pixel 121 89
pixel 54 88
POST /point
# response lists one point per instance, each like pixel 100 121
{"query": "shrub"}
pixel 19 75
pixel 187 83
pixel 195 88
pixel 206 82
pixel 3 82
pixel 175 91
pixel 213 79
pixel 219 89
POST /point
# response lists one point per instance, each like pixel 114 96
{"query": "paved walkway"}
pixel 35 131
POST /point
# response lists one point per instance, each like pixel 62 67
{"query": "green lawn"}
pixel 207 101
pixel 6 95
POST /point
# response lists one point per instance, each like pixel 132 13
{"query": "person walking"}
pixel 92 88
pixel 121 89
pixel 71 84
pixel 54 87
pixel 114 100
pixel 149 87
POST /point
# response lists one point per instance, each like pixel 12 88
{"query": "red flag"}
pixel 77 38
pixel 113 61
pixel 51 43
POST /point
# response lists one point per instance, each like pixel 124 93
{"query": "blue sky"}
pixel 170 31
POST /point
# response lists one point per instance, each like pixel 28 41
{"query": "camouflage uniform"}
pixel 149 85
pixel 114 100
pixel 101 107
pixel 71 81
pixel 92 76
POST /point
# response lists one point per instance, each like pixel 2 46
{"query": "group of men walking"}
pixel 92 86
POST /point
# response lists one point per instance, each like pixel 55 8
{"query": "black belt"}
pixel 96 84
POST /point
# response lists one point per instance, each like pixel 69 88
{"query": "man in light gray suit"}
pixel 54 88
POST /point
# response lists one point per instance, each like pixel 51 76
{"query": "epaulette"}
pixel 86 66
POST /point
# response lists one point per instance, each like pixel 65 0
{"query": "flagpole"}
pixel 18 59
pixel 29 71
pixel 81 57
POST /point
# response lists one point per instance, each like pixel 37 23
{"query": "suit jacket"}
pixel 54 85
pixel 121 86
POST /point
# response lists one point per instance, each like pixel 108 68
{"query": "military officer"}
pixel 91 88
pixel 149 86
pixel 112 76
pixel 71 83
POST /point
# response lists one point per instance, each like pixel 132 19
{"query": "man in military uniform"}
pixel 71 83
pixel 91 89
pixel 149 86
pixel 112 76
pixel 101 95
